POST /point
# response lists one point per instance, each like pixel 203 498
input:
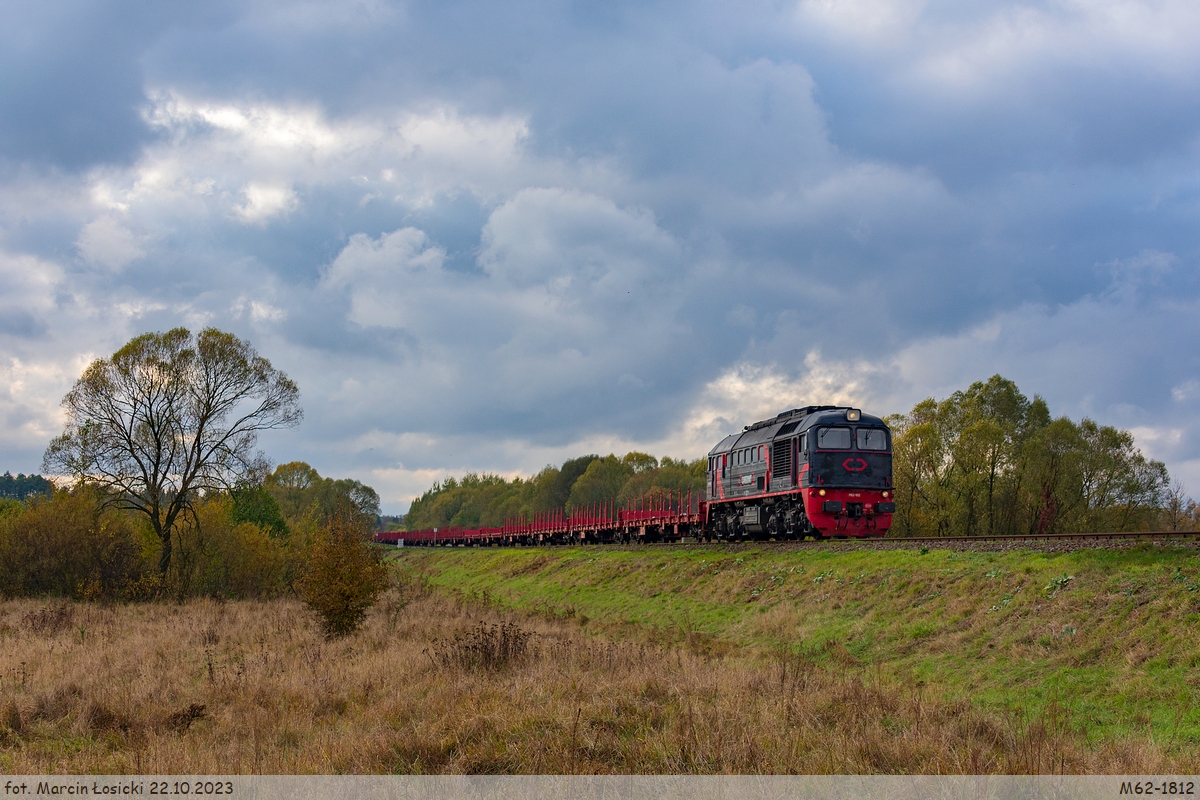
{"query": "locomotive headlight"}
pixel 885 494
pixel 821 492
pixel 853 415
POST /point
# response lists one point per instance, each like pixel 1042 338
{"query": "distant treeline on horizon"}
pixel 22 486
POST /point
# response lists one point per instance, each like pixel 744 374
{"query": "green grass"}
pixel 1106 641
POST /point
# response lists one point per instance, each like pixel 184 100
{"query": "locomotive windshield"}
pixel 872 439
pixel 833 439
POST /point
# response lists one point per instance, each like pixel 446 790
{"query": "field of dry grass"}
pixel 431 685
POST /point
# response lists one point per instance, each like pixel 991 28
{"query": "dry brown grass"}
pixel 433 686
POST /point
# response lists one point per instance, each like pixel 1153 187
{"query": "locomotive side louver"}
pixel 781 458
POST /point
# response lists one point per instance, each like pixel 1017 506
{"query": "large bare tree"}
pixel 169 417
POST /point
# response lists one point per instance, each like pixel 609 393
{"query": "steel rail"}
pixel 1045 536
pixel 1011 541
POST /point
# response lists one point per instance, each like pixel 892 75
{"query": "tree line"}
pixel 989 460
pixel 253 540
pixel 487 500
pixel 986 460
pixel 22 486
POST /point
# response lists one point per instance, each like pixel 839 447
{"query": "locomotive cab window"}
pixel 871 439
pixel 833 439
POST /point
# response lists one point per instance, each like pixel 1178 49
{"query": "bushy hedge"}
pixel 240 544
pixel 69 545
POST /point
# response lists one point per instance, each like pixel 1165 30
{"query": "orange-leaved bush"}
pixel 342 575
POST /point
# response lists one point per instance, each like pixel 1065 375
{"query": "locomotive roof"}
pixel 790 422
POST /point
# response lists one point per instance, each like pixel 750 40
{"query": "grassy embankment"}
pixel 431 685
pixel 657 660
pixel 1106 642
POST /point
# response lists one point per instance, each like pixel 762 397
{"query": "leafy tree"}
pixel 219 555
pixel 299 491
pixel 256 505
pixel 989 460
pixel 10 507
pixel 291 485
pixel 639 462
pixel 169 417
pixel 670 477
pixel 564 480
pixel 603 480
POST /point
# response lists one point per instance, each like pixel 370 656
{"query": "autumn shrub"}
pixel 341 576
pixel 216 555
pixel 71 545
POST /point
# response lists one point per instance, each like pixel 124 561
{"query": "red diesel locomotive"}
pixel 821 471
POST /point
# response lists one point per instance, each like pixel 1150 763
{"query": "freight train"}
pixel 819 471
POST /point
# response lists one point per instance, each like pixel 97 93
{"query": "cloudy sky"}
pixel 490 236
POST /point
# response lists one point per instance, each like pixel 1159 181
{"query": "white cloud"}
pixel 874 23
pixel 468 145
pixel 565 238
pixel 748 393
pixel 262 128
pixel 264 202
pixel 107 243
pixel 1185 391
pixel 982 46
pixel 29 286
pixel 258 311
pixel 250 157
pixel 29 403
pixel 387 278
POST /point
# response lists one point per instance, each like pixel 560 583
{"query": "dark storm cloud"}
pixel 73 83
pixel 486 235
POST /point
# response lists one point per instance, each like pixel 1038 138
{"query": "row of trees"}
pixel 487 500
pixel 988 460
pixel 254 541
pixel 21 486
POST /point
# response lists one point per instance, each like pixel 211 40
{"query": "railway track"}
pixel 1047 542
